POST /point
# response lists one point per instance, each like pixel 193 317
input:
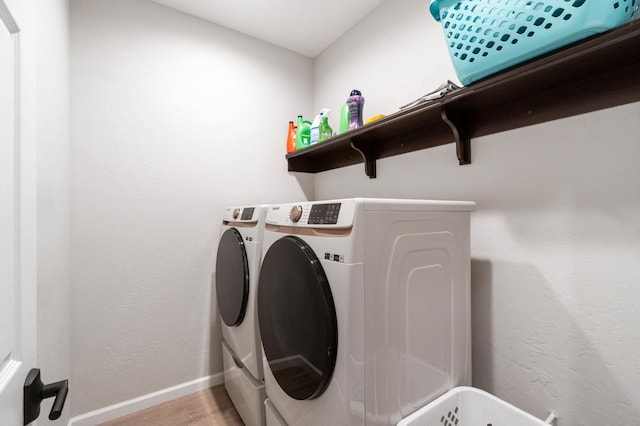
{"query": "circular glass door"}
pixel 297 318
pixel 232 277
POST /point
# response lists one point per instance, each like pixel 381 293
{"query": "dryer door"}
pixel 297 318
pixel 232 277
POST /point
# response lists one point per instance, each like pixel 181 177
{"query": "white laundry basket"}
pixel 466 406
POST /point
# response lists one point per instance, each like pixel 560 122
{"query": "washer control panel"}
pixel 246 214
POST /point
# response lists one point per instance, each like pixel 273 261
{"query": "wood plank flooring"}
pixel 208 407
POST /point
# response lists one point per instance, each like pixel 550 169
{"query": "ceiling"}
pixel 300 25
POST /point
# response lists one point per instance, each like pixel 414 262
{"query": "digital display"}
pixel 324 214
pixel 247 213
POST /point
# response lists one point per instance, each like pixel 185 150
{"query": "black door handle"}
pixel 35 391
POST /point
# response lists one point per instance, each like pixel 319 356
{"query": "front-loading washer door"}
pixel 297 318
pixel 232 277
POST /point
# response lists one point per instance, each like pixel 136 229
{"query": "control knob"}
pixel 236 213
pixel 296 213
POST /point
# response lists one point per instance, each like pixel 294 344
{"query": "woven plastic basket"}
pixel 466 406
pixel 487 36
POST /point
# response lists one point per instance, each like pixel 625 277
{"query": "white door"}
pixel 17 225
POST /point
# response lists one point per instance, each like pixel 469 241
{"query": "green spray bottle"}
pixel 325 130
pixel 315 126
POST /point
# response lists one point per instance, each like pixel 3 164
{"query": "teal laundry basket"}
pixel 487 36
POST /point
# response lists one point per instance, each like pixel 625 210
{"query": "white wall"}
pixel 173 119
pixel 393 56
pixel 52 129
pixel 170 114
pixel 555 239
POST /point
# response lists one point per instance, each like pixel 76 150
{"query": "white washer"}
pixel 237 268
pixel 364 308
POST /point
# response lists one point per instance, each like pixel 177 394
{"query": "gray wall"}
pixel 556 236
pixel 173 119
pixel 158 148
pixel 54 275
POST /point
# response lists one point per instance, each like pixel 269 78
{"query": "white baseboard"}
pixel 124 408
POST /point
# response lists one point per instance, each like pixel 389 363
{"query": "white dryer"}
pixel 236 279
pixel 364 308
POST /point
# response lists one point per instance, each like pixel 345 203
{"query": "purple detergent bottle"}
pixel 356 103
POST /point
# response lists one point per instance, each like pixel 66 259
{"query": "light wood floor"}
pixel 208 407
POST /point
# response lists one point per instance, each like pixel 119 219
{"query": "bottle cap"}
pixel 355 92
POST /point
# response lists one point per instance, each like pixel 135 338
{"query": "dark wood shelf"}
pixel 600 72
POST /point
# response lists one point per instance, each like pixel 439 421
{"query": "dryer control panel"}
pixel 320 214
pixel 324 214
